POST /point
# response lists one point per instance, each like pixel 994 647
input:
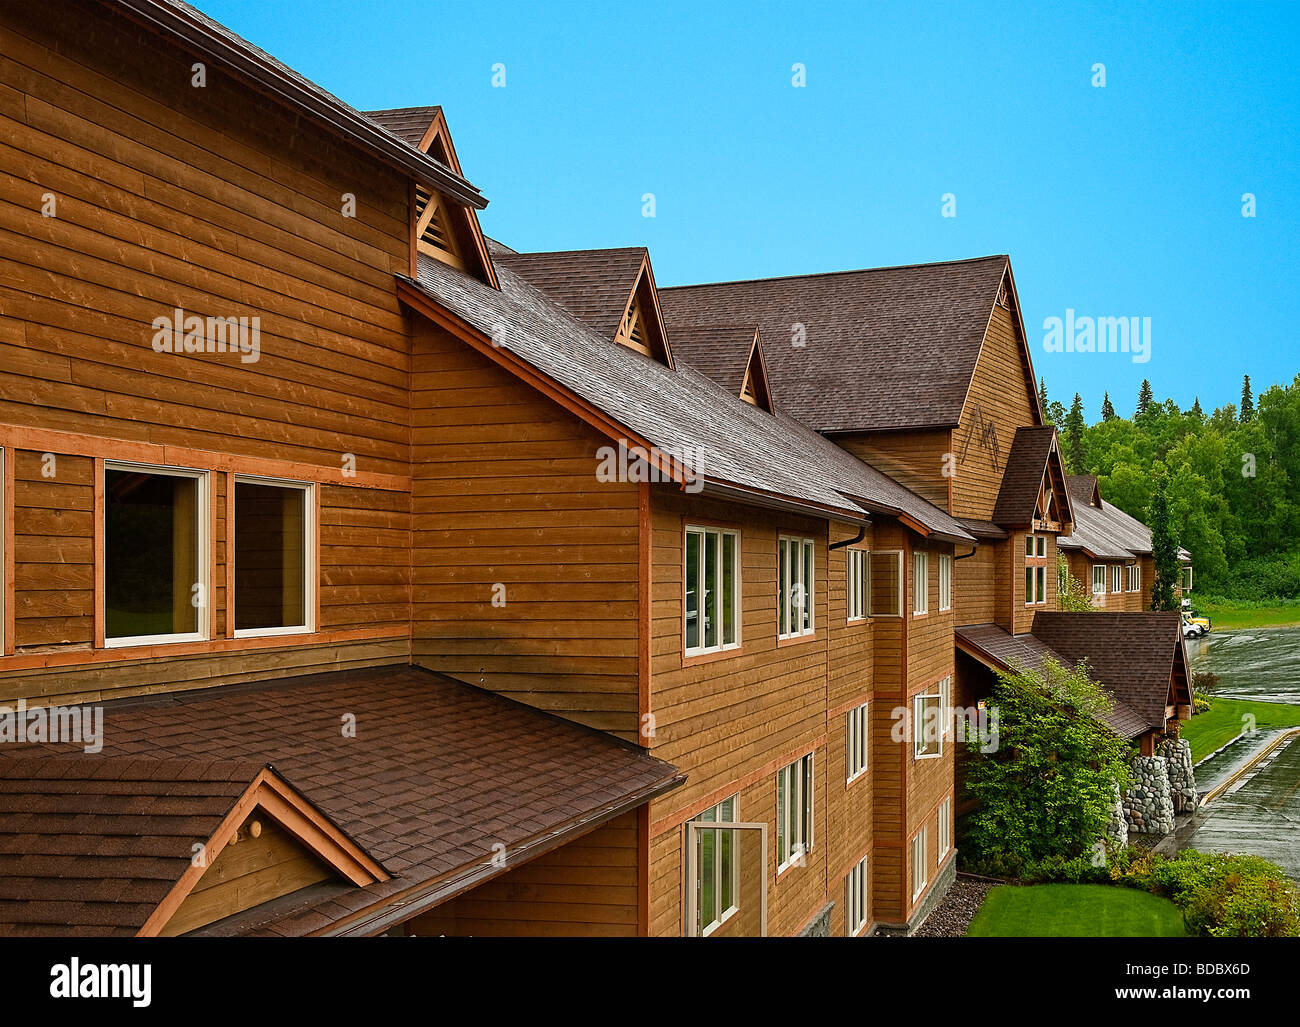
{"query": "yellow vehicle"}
pixel 1193 617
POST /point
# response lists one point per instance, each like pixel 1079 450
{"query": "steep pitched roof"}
pixel 444 772
pixel 998 648
pixel 1034 456
pixel 722 440
pixel 884 348
pixel 1132 654
pixel 407 123
pixel 202 34
pixel 729 354
pixel 592 285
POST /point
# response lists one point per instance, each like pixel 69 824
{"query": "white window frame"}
pixel 945 582
pixel 798 780
pixel 807 566
pixel 945 709
pixel 203 517
pixel 920 865
pixel 855 583
pixel 919 702
pixel 703 530
pixel 1099 571
pixel 855 898
pixel 920 582
pixel 945 828
pixel 739 829
pixel 896 555
pixel 1134 577
pixel 713 815
pixel 310 571
pixel 857 742
pixel 1116 578
pixel 1035 570
pixel 1185 569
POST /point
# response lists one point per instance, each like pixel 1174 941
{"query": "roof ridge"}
pixel 843 271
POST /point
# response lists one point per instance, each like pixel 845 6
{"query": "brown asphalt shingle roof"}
pixel 719 351
pixel 407 123
pixel 1132 654
pixel 439 772
pixel 1105 532
pixel 592 285
pixel 90 846
pixel 680 411
pixel 890 347
pixel 1031 651
pixel 1023 476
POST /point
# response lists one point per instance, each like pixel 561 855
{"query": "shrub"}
pixel 1229 895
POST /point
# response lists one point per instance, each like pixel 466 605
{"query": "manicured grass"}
pixel 1223 722
pixel 1227 614
pixel 1075 911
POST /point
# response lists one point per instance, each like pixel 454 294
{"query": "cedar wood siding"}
pixel 915 459
pixel 999 398
pixel 731 723
pixel 1022 616
pixel 1131 602
pixel 585 888
pixel 217 201
pixel 506 494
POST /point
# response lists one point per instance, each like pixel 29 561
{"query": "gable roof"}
pixel 728 354
pixel 1132 654
pixel 994 646
pixel 884 348
pixel 1035 455
pixel 592 285
pixel 445 772
pixel 714 435
pixel 1105 532
pixel 208 38
pixel 407 123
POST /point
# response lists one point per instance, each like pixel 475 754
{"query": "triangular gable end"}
pixel 642 324
pixel 271 843
pixel 756 388
pixel 1008 299
pixel 1053 511
pixel 451 233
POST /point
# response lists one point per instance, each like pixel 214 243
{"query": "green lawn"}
pixel 1075 911
pixel 1223 722
pixel 1228 614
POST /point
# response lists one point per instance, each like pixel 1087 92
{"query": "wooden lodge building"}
pixel 420 586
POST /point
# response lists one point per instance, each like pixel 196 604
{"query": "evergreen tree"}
pixel 1144 397
pixel 1042 394
pixel 1074 425
pixel 1247 402
pixel 1107 410
pixel 1196 407
pixel 1164 548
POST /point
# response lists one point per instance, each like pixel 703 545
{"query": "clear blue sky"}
pixel 1115 201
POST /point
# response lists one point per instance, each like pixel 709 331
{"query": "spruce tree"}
pixel 1107 410
pixel 1196 407
pixel 1247 401
pixel 1042 394
pixel 1164 548
pixel 1144 397
pixel 1074 426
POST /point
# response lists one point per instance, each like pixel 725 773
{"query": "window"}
pixel 274 557
pixel 945 828
pixel 919 866
pixel 795 587
pixel 855 899
pixel 920 582
pixel 945 582
pixel 717 868
pixel 794 809
pixel 945 707
pixel 1134 577
pixel 856 583
pixel 857 740
pixel 1185 578
pixel 712 590
pixel 885 584
pixel 1098 579
pixel 156 555
pixel 927 724
pixel 1035 570
pixel 1117 578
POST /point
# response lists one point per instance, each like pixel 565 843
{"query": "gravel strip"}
pixel 953 915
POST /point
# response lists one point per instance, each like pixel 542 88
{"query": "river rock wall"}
pixel 1149 803
pixel 1177 752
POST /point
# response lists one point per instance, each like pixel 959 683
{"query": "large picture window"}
pixel 274 557
pixel 712 590
pixel 155 555
pixel 794 811
pixel 796 588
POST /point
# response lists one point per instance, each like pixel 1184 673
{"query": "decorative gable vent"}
pixel 1004 295
pixel 432 230
pixel 632 331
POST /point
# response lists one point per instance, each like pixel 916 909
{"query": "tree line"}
pixel 1231 479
